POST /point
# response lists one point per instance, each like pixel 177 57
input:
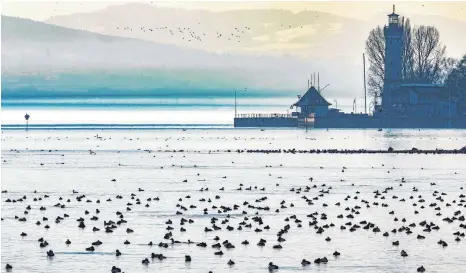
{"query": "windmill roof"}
pixel 312 97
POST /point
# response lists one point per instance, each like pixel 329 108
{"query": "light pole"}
pixel 235 103
pixel 245 89
pixel 449 108
pixel 365 90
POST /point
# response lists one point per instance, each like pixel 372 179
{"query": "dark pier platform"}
pixel 347 121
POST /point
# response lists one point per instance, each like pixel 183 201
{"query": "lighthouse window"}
pixel 393 20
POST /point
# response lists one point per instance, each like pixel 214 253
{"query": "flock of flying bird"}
pixel 190 35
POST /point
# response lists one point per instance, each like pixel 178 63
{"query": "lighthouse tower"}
pixel 393 33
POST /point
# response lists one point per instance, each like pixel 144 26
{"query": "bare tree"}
pixel 428 54
pixel 375 50
pixel 456 80
pixel 407 51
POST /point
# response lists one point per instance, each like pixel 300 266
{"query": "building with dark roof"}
pixel 311 103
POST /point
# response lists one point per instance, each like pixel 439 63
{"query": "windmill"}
pixel 27 120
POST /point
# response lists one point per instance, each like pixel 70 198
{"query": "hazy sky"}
pixel 42 10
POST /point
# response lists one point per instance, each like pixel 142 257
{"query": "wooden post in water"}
pixel 27 120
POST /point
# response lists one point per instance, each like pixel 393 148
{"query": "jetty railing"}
pixel 267 115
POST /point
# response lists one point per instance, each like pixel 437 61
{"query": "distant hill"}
pixel 40 57
pixel 257 31
pixel 39 45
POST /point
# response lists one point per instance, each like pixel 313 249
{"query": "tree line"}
pixel 424 61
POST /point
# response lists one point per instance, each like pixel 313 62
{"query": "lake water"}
pixel 56 162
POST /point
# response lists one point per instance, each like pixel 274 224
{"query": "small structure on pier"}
pixel 423 101
pixel 311 103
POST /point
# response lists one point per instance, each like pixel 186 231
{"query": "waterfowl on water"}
pixel 321 260
pixel 272 266
pixel 305 262
pixel 252 221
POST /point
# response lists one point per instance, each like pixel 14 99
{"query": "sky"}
pixel 42 10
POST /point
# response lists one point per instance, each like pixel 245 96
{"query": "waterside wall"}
pixel 427 123
pixel 347 121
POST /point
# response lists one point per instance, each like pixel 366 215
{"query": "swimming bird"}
pixel 272 266
pixel 305 262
